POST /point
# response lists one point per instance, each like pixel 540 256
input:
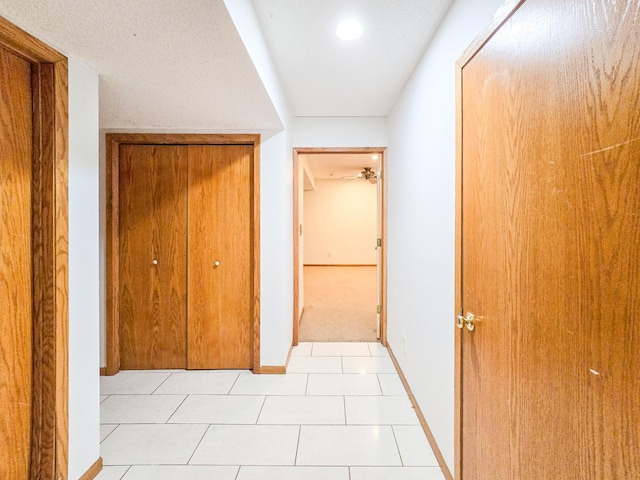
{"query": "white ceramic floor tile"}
pixel 132 382
pixel 347 445
pixel 377 350
pixel 293 473
pixel 105 430
pixel 199 382
pixel 180 472
pixel 303 410
pixel 368 365
pixel 315 365
pixel 229 409
pixel 247 445
pixel 139 408
pixel 103 398
pixel 151 444
pixel 391 384
pixel 112 473
pixel 414 447
pixel 396 473
pixel 341 349
pixel 303 349
pixel 380 411
pixel 343 384
pixel 250 384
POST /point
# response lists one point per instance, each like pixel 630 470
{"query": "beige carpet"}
pixel 340 304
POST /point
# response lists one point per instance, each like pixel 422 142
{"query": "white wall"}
pixel 276 199
pixel 340 223
pixel 421 215
pixel 339 132
pixel 84 387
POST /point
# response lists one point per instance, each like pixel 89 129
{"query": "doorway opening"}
pixel 339 238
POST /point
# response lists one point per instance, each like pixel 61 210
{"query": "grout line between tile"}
pixel 238 472
pixel 199 442
pixel 161 383
pixel 177 408
pixel 233 384
pixel 264 400
pixel 344 404
pixel 393 430
pixel 126 471
pixel 379 384
pixel 109 434
pixel 295 460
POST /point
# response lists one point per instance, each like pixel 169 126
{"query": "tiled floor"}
pixel 340 414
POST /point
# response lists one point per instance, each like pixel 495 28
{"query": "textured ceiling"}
pixel 181 65
pixel 162 63
pixel 325 76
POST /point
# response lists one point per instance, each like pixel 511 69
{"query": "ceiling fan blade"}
pixel 373 180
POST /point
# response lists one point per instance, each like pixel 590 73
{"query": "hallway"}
pixel 341 413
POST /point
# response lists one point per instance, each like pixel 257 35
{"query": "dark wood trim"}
pixel 25 45
pixel 423 421
pixel 113 142
pixel 505 13
pixel 103 371
pixel 339 265
pixel 385 249
pixel 296 237
pixel 297 316
pixel 320 150
pixel 270 370
pixel 49 424
pixel 255 140
pixel 93 470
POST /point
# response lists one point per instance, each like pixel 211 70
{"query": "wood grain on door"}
pixel 15 266
pixel 220 332
pixel 153 248
pixel 550 245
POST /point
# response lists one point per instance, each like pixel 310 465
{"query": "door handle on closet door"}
pixel 216 264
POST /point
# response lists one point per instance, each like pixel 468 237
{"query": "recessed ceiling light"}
pixel 375 157
pixel 349 30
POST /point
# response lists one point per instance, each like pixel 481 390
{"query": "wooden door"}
pixel 550 247
pixel 153 247
pixel 220 257
pixel 15 266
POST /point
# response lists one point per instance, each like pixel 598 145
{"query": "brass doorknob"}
pixel 469 321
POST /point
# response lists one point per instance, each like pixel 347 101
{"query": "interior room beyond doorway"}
pixel 339 224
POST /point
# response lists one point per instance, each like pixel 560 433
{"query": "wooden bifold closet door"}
pixel 153 250
pixel 185 256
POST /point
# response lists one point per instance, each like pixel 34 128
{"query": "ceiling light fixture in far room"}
pixel 375 156
pixel 349 30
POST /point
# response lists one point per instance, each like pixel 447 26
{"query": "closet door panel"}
pixel 219 257
pixel 153 224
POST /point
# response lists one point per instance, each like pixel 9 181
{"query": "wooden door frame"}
pixel 113 141
pixel 50 316
pixel 502 16
pixel 383 227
